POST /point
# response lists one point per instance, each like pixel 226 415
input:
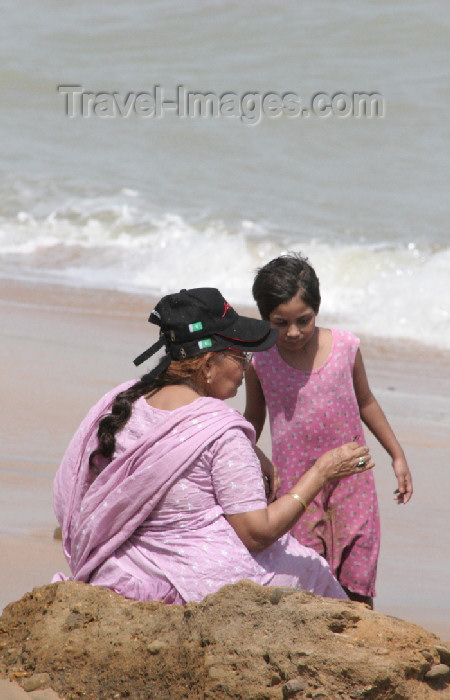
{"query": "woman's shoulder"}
pixel 216 408
pixel 210 416
pixel 199 406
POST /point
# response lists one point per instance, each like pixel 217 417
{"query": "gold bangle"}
pixel 298 498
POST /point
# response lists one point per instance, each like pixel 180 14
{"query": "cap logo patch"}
pixel 205 343
pixel 226 308
pixel 195 326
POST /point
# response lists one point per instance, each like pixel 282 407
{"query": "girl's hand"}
pixel 272 481
pixel 404 490
pixel 344 461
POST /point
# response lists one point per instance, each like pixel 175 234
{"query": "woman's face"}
pixel 226 373
pixel 296 322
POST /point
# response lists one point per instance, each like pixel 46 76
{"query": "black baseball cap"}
pixel 195 321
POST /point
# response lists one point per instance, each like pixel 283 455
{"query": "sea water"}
pixel 101 186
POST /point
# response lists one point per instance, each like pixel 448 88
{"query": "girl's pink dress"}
pixel 310 413
pixel 151 526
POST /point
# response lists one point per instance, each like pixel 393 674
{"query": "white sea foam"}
pixel 385 290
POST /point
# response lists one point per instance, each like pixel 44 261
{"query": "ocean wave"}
pixel 385 290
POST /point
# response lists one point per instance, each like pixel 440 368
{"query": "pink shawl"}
pixel 98 516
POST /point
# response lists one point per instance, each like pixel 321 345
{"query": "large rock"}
pixel 246 641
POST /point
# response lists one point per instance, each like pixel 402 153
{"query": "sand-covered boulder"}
pixel 246 641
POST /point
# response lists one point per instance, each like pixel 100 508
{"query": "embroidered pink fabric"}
pixel 151 526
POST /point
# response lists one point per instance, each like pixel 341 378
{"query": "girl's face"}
pixel 296 323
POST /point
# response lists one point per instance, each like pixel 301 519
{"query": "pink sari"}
pixel 98 516
pixel 132 529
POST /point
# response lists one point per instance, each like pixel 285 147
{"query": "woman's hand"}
pixel 260 528
pixel 404 490
pixel 272 481
pixel 343 461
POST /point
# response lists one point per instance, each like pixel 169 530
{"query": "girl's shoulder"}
pixel 345 345
pixel 341 337
pixel 260 359
pixel 326 335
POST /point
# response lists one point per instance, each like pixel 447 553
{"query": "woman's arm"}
pixel 372 415
pixel 260 528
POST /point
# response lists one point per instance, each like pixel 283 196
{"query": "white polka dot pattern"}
pixel 310 413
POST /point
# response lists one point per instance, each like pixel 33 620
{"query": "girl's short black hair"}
pixel 283 278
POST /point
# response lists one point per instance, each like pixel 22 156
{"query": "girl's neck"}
pixel 313 354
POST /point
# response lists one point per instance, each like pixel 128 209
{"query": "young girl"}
pixel 314 385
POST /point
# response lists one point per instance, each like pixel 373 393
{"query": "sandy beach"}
pixel 62 348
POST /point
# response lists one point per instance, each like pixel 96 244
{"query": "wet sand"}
pixel 61 349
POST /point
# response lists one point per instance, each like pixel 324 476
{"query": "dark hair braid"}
pixel 178 372
pixel 119 416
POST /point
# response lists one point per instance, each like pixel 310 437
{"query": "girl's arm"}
pixel 255 405
pixel 255 413
pixel 260 528
pixel 272 481
pixel 373 416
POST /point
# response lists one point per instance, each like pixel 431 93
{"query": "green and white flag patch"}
pixel 195 326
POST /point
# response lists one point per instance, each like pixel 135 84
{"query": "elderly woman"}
pixel 160 494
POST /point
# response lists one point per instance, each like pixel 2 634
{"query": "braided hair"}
pixel 187 372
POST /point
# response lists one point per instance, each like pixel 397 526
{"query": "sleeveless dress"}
pixel 311 412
